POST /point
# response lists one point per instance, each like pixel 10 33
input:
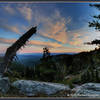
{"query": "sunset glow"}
pixel 63 27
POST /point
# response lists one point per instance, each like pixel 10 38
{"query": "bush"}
pixel 13 76
pixel 76 80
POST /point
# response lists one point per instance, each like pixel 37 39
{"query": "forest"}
pixel 68 69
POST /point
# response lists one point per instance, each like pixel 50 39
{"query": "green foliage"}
pixel 17 67
pixel 91 75
pixel 56 68
pixel 13 76
pixel 95 23
pixel 71 85
pixel 76 80
pixel 49 70
pixel 97 79
pixel 12 92
pixel 46 71
pixel 1 59
pixel 19 71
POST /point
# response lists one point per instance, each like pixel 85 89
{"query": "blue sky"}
pixel 63 27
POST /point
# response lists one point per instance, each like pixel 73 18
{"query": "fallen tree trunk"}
pixel 12 50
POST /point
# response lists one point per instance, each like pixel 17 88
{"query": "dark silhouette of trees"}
pixel 46 52
pixel 96 42
pixel 95 23
pixel 12 50
pixel 96 18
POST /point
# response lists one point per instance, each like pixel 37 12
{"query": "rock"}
pixel 68 77
pixel 4 84
pixel 32 88
pixel 88 90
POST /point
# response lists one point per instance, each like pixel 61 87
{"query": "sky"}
pixel 62 27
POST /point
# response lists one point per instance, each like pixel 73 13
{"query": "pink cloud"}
pixel 54 27
pixel 78 39
pixel 32 42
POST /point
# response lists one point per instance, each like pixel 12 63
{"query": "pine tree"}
pixel 88 76
pixel 46 52
pixel 27 72
pixel 96 18
pixel 97 76
pixel 92 75
pixel 84 78
pixel 95 23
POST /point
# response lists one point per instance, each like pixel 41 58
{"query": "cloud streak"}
pixel 5 25
pixel 78 39
pixel 7 41
pixel 9 10
pixel 32 42
pixel 26 12
pixel 54 27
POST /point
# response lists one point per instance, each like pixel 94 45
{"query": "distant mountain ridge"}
pixel 29 59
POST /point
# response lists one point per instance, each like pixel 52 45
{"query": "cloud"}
pixel 14 29
pixel 36 46
pixel 26 12
pixel 3 49
pixel 69 19
pixel 32 42
pixel 54 47
pixel 53 26
pixel 78 39
pixel 41 43
pixel 64 49
pixel 56 31
pixel 10 28
pixel 9 9
pixel 7 41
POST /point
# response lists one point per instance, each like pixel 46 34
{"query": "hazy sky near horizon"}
pixel 63 27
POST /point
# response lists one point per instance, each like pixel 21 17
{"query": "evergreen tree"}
pixel 97 76
pixel 95 23
pixel 83 78
pixel 92 75
pixel 88 76
pixel 27 72
pixel 96 18
pixel 46 52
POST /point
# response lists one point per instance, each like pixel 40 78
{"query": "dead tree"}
pixel 12 50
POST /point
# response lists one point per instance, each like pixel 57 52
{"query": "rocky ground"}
pixel 29 88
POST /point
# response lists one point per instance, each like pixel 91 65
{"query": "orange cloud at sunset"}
pixel 54 26
pixel 7 41
pixel 33 42
pixel 78 39
pixel 41 43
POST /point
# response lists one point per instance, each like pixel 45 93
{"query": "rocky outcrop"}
pixel 87 90
pixel 32 88
pixel 4 84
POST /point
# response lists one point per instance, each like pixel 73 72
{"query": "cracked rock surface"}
pixel 31 88
pixel 4 84
pixel 88 90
